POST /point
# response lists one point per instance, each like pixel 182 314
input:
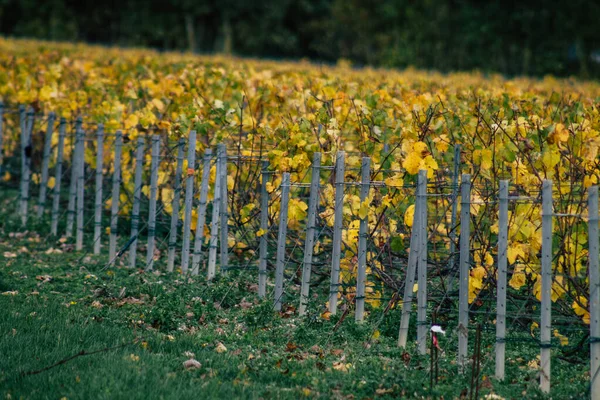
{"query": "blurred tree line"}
pixel 532 37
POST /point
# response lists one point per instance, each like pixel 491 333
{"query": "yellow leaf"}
pixel 261 232
pixel 131 121
pixel 564 341
pixel 409 215
pixel 363 211
pixel 220 348
pixel 412 163
pixel 517 280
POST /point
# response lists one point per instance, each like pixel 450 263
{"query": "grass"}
pixel 58 303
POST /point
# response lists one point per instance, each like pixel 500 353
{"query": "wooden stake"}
pixel 501 284
pixel 175 206
pixel 99 181
pixel 114 203
pixel 72 187
pixel 189 197
pixel 45 165
pixel 224 214
pixel 137 199
pixel 463 306
pixel 336 252
pixel 411 268
pixel 26 120
pixel 363 234
pixel 264 227
pixel 422 326
pixel 154 165
pixel 214 223
pixel 546 306
pixel 309 242
pixel 201 221
pixel 58 176
pixel 80 184
pixel 281 238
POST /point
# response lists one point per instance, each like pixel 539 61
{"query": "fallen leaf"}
pixel 220 348
pixel 191 364
pixel 341 366
pixel 8 254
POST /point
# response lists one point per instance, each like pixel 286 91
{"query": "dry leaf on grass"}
pixel 191 364
pixel 220 348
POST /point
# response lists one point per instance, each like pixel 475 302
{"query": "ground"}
pixel 135 330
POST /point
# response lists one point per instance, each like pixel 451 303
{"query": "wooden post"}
pixel 72 186
pixel 45 165
pixel 501 284
pixel 199 234
pixel 58 176
pixel 175 206
pixel 154 165
pixel 114 202
pixel 363 234
pixel 338 220
pixel 264 227
pixel 594 302
pixel 214 223
pixel 137 199
pixel 463 302
pixel 80 184
pixel 99 181
pixel 281 238
pixel 309 242
pixel 422 327
pixel 546 306
pixel 411 268
pixel 189 197
pixel 452 264
pixel 26 123
pixel 224 215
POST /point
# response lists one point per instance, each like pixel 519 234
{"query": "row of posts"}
pixel 417 261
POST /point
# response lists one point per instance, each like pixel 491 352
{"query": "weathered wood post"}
pixel 154 165
pixel 411 268
pixel 99 180
pixel 80 184
pixel 45 165
pixel 114 202
pixel 338 220
pixel 214 223
pixel 264 228
pixel 175 206
pixel 363 234
pixel 463 302
pixel 26 120
pixel 137 199
pixel 224 214
pixel 422 327
pixel 281 239
pixel 309 242
pixel 58 176
pixel 188 204
pixel 501 284
pixel 546 306
pixel 201 221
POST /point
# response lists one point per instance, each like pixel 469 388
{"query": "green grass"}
pixel 63 305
